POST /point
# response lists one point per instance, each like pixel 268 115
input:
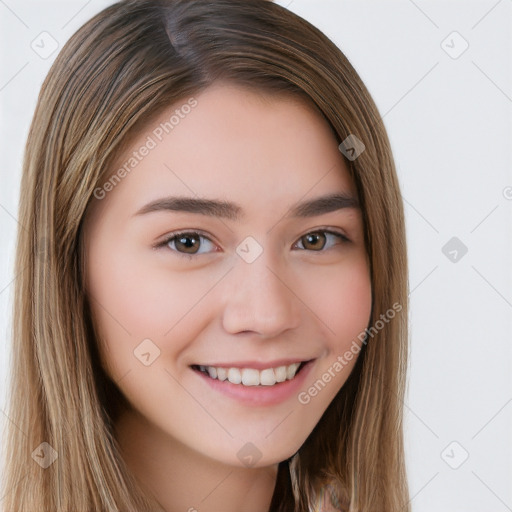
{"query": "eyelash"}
pixel 176 235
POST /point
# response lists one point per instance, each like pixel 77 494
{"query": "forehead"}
pixel 229 142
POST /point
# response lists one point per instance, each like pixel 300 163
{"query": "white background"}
pixel 450 124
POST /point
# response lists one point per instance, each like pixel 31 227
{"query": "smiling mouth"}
pixel 252 376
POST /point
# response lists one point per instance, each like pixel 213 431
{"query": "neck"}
pixel 184 480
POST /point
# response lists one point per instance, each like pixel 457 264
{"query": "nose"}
pixel 259 298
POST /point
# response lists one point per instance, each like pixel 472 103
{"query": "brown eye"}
pixel 314 241
pixel 317 240
pixel 188 243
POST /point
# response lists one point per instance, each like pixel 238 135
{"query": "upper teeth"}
pixel 252 377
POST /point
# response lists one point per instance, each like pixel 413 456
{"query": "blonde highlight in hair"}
pixel 114 75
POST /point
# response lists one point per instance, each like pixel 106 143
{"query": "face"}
pixel 224 325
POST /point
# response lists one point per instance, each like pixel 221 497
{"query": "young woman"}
pixel 211 302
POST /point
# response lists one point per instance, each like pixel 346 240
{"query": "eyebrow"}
pixel 232 211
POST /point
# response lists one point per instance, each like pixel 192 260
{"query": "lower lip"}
pixel 259 395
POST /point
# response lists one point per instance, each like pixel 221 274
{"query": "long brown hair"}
pixel 112 77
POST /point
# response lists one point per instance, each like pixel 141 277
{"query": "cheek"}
pixel 133 294
pixel 342 302
pixel 344 308
pixel 351 308
pixel 133 299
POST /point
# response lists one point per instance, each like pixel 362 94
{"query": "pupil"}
pixel 313 238
pixel 183 239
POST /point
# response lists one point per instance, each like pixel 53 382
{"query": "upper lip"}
pixel 257 365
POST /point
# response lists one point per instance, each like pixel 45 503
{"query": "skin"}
pixel 266 153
